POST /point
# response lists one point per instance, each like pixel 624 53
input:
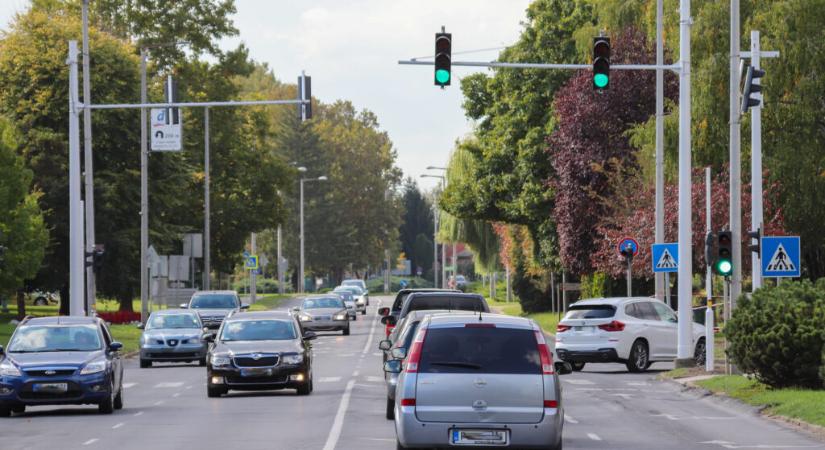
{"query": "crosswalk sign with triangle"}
pixel 780 256
pixel 665 257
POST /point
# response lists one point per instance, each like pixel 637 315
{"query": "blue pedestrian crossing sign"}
pixel 780 256
pixel 251 262
pixel 665 257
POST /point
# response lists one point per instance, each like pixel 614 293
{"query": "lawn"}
pixel 802 404
pixel 546 320
pixel 269 301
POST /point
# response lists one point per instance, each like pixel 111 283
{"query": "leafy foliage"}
pixel 416 226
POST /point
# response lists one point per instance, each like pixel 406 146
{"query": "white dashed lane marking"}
pixel 128 385
pixel 569 418
pixel 90 442
pixel 594 436
pixel 329 379
pixel 115 427
pixel 580 382
pixel 168 384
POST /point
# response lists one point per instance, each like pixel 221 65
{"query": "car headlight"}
pixel 8 369
pixel 98 365
pixel 305 318
pixel 293 359
pixel 341 316
pixel 220 360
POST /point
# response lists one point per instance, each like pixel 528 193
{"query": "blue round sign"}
pixel 628 243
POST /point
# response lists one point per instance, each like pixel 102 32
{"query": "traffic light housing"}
pixel 443 58
pixel 755 247
pixel 96 256
pixel 709 239
pixel 723 264
pixel 752 89
pixel 601 63
pixel 305 93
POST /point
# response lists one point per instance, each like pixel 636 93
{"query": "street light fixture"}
pixel 436 168
pixel 301 237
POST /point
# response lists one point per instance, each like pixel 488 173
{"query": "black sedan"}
pixel 259 351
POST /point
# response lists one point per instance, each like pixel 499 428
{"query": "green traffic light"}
pixel 724 267
pixel 600 80
pixel 442 76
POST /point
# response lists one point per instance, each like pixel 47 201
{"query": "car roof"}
pixel 450 320
pixel 313 297
pixel 422 313
pixel 411 290
pixel 162 312
pixel 453 294
pixel 614 301
pixel 224 292
pixel 62 320
pixel 262 315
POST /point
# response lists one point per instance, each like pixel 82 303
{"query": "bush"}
pixel 120 317
pixel 777 334
pixel 376 285
pixel 264 286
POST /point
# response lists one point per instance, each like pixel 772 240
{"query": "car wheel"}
pixel 346 331
pixel 5 411
pixel 305 388
pixel 107 406
pixel 41 301
pixel 145 364
pixel 639 357
pixel 18 409
pixel 398 446
pixel 577 366
pixel 390 409
pixel 355 317
pixel 202 362
pixel 118 403
pixel 214 392
pixel 364 312
pixel 700 354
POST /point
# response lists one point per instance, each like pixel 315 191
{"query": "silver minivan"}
pixel 478 380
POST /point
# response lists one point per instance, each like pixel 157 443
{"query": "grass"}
pixel 801 404
pixel 269 301
pixel 546 320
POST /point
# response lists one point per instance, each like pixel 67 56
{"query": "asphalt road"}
pixel 167 408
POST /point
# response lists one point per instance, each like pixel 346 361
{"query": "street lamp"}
pixel 435 241
pixel 301 238
pixel 436 168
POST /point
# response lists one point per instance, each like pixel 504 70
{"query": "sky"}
pixel 351 49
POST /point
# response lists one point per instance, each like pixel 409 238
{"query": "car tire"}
pixel 355 317
pixel 40 301
pixel 107 406
pixel 390 409
pixel 18 409
pixel 700 353
pixel 398 446
pixel 118 402
pixel 145 364
pixel 5 411
pixel 346 331
pixel 214 392
pixel 639 359
pixel 202 362
pixel 305 389
pixel 364 312
pixel 577 366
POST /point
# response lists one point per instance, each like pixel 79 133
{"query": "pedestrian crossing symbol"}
pixel 665 257
pixel 780 256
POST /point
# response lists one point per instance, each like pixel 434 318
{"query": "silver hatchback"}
pixel 478 380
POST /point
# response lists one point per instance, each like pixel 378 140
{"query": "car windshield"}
pixel 347 295
pixel 55 338
pixel 214 301
pixel 480 350
pixel 258 330
pixel 355 290
pixel 351 283
pixel 460 278
pixel 325 302
pixel 590 312
pixel 172 321
pixel 418 303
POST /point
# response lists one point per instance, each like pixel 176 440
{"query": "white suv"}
pixel 633 331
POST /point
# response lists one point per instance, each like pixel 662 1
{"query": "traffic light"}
pixel 755 247
pixel 709 248
pixel 96 256
pixel 601 63
pixel 305 93
pixel 171 91
pixel 443 58
pixel 723 265
pixel 751 89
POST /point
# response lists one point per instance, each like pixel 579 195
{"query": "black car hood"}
pixel 213 312
pixel 240 347
pixel 73 359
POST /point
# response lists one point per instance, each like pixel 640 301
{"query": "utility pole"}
pixel 756 163
pixel 207 232
pixel 735 155
pixel 77 256
pixel 281 286
pixel 301 239
pixel 144 196
pixel 253 274
pixel 709 322
pixel 89 193
pixel 659 232
pixel 435 247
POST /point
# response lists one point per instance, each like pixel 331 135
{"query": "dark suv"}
pixel 259 351
pixel 61 360
pixel 398 303
pixel 450 301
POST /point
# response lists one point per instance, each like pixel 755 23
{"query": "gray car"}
pixel 172 335
pixel 324 313
pixel 478 380
pixel 213 306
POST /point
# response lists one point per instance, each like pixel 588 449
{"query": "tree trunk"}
pixel 125 303
pixel 21 304
pixel 64 300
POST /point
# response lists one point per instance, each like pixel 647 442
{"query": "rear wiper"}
pixel 456 364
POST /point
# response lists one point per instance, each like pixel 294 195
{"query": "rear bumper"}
pixel 589 356
pixel 178 353
pixel 414 433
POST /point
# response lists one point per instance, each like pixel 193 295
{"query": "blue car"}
pixel 61 361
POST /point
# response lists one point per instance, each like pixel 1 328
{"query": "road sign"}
pixel 166 135
pixel 780 256
pixel 251 262
pixel 628 243
pixel 665 257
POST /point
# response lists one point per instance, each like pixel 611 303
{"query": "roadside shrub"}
pixel 777 334
pixel 119 317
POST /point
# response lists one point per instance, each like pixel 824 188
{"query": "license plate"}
pixel 51 387
pixel 255 372
pixel 479 437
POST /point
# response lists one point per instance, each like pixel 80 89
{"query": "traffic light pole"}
pixel 659 228
pixel 735 195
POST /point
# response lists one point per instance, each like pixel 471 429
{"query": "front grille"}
pixel 176 355
pixel 234 379
pixel 27 393
pixel 263 361
pixel 49 372
pixel 323 317
pixel 212 322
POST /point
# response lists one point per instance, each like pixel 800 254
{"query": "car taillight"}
pixel 388 329
pixel 612 326
pixel 551 404
pixel 415 351
pixel 407 402
pixel 562 328
pixel 544 353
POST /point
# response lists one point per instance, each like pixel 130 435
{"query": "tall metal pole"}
pixel 281 287
pixel 435 248
pixel 253 274
pixel 660 144
pixel 710 358
pixel 301 239
pixel 89 193
pixel 76 250
pixel 756 163
pixel 207 232
pixel 709 270
pixel 629 276
pixel 144 196
pixel 444 265
pixel 685 335
pixel 735 156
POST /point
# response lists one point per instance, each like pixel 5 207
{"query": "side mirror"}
pixel 385 311
pixel 141 326
pixel 310 335
pixel 2 351
pixel 388 320
pixel 563 368
pixel 184 305
pixel 115 346
pixel 392 366
pixel 384 345
pixel 399 353
pixel 244 306
pixel 208 337
pixel 295 309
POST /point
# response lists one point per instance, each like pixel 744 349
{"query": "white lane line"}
pixel 374 379
pixel 338 423
pixel 581 382
pixel 90 441
pixel 569 418
pixel 189 387
pixel 345 355
pixel 168 384
pixel 116 426
pixel 158 403
pixel 377 353
pixel 624 396
pixel 176 395
pixel 128 385
pixel 356 373
pixel 329 379
pixel 594 436
pixel 138 414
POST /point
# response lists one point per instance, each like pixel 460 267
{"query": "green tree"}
pixel 417 222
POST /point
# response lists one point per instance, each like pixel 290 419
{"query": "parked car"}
pixel 213 306
pixel 263 350
pixel 42 298
pixel 478 380
pixel 395 309
pixel 633 331
pixel 361 284
pixel 323 313
pixel 172 335
pixel 61 361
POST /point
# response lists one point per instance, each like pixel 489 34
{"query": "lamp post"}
pixel 435 236
pixel 301 238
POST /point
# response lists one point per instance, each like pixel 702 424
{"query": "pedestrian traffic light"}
pixel 723 265
pixel 443 58
pixel 752 89
pixel 756 236
pixel 601 63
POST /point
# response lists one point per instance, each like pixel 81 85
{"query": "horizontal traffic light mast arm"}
pixel 193 104
pixel 674 67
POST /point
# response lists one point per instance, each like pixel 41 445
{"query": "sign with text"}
pixel 165 133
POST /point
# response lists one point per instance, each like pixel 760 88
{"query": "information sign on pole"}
pixel 166 135
pixel 665 257
pixel 780 256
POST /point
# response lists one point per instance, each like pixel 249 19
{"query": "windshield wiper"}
pixel 456 364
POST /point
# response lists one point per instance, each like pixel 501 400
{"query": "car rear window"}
pixel 419 303
pixel 591 312
pixel 480 350
pixel 399 301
